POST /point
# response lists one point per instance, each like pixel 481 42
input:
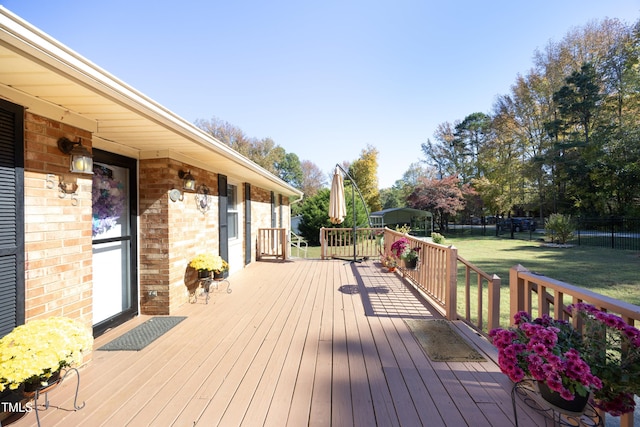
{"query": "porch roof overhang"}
pixel 51 80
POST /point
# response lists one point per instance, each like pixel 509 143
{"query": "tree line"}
pixel 306 176
pixel 565 139
pixel 301 174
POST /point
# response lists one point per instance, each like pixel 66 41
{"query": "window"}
pixel 232 211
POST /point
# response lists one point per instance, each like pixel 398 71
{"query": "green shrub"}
pixel 559 228
pixel 437 238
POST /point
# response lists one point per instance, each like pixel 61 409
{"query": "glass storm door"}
pixel 114 286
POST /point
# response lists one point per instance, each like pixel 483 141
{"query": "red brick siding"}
pixel 171 233
pixel 58 276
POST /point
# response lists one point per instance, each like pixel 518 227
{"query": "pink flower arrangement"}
pixel 545 350
pixel 611 347
pixel 399 247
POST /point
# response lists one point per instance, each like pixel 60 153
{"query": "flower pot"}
pixel 31 388
pixel 411 264
pixel 391 269
pixel 204 274
pixel 576 405
pixel 11 396
pixel 218 275
pixel 12 404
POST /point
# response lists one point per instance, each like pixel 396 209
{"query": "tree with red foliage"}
pixel 442 197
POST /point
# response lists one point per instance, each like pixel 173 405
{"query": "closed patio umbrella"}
pixel 337 204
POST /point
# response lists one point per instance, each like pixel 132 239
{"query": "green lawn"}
pixel 606 271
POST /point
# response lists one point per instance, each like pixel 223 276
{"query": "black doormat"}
pixel 442 343
pixel 142 335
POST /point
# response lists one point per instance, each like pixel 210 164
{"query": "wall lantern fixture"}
pixel 188 181
pixel 80 158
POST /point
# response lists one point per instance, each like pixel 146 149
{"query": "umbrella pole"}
pixel 353 204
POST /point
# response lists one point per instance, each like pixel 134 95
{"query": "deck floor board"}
pixel 304 342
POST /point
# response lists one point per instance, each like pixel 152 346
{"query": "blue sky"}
pixel 323 79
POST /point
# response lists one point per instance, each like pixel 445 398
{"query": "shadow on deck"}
pixel 305 342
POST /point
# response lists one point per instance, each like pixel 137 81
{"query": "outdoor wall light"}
pixel 188 181
pixel 80 158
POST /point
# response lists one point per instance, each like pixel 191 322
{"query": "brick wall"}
pixel 58 278
pixel 171 233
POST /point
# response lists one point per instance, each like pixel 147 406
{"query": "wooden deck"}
pixel 304 342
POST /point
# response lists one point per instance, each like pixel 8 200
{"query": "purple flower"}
pixel 521 317
pixel 546 350
pixel 399 247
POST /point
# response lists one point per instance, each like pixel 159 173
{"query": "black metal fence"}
pixel 614 232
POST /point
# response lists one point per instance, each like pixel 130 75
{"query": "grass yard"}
pixel 606 271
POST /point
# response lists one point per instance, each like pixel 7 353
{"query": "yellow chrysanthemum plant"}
pixel 32 352
pixel 207 261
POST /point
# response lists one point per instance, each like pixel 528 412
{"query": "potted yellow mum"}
pixel 33 354
pixel 207 262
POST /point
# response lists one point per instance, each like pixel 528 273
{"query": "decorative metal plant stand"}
pixel 528 393
pixel 46 389
pixel 204 286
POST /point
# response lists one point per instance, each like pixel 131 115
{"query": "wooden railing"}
pixel 436 273
pixel 540 295
pixel 272 242
pixel 338 243
pixel 436 276
pixel 485 289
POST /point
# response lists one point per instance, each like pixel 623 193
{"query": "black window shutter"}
pixel 11 216
pixel 223 230
pixel 247 223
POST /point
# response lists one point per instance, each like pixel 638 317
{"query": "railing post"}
pixel 259 245
pixel 626 420
pixel 451 289
pixel 283 242
pixel 516 291
pixel 323 243
pixel 493 305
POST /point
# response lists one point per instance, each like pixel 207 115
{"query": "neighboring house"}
pixel 126 250
pixel 420 221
